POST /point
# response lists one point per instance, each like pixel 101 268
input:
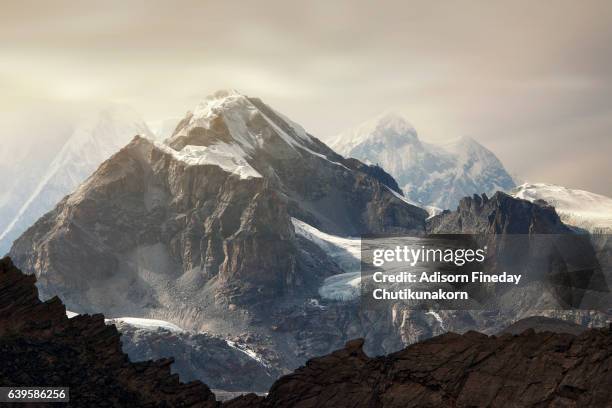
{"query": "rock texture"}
pixel 529 238
pixel 543 324
pixel 198 231
pixel 471 370
pixel 205 219
pixel 201 356
pixel 500 214
pixel 40 346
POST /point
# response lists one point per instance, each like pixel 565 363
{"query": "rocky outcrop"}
pixel 500 214
pixel 543 324
pixel 201 356
pixel 40 346
pixel 471 370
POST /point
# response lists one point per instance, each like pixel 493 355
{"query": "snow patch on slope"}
pixel 431 210
pixel 141 323
pixel 230 158
pixel 578 208
pixel 346 252
pixel 238 113
pixel 244 349
pixel 343 287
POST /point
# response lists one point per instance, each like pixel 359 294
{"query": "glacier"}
pixel 578 208
pixel 346 252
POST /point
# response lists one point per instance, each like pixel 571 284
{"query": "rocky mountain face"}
pixel 337 315
pixel 201 356
pixel 500 214
pixel 582 209
pixel 42 177
pixel 471 370
pixel 431 175
pixel 577 261
pixel 41 346
pixel 198 231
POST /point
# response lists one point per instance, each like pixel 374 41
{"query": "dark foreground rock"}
pixel 471 370
pixel 40 346
pixel 542 324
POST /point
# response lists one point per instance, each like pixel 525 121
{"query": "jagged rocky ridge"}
pixel 496 220
pixel 500 214
pixel 40 346
pixel 470 370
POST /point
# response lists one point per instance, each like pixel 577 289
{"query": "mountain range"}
pixel 430 175
pixel 243 226
pixel 199 230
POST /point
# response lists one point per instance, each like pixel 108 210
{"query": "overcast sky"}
pixel 532 81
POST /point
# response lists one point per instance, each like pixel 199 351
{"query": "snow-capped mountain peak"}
pixel 230 113
pixel 213 104
pixel 229 129
pixel 390 128
pixel 436 175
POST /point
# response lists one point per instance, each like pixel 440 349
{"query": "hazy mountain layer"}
pixel 37 182
pixel 433 175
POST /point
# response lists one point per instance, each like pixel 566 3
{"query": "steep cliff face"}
pixel 40 346
pixel 471 370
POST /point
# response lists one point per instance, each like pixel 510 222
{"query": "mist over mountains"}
pixel 47 170
pixel 432 175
